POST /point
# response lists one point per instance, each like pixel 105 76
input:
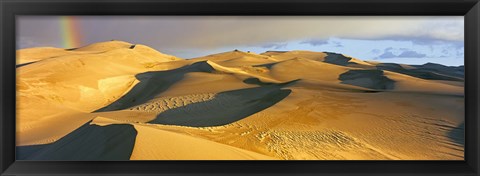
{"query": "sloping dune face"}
pixel 372 79
pixel 120 101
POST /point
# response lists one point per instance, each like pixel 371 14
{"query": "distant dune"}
pixel 118 101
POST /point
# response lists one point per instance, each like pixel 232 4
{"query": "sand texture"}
pixel 119 101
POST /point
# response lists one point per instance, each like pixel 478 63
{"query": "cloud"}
pixel 428 30
pixel 211 32
pixel 403 53
pixel 375 51
pixel 274 45
pixel 460 53
pixel 387 55
pixel 337 44
pixel 315 42
pixel 411 54
pixel 445 51
pixel 422 40
pixel 321 42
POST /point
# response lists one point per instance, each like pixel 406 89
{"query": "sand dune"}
pixel 75 84
pixel 425 72
pixel 30 55
pixel 106 139
pixel 306 69
pixel 151 145
pixel 117 101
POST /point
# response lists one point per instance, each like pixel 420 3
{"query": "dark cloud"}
pixel 337 44
pixel 411 54
pixel 315 42
pixel 405 53
pixel 387 55
pixel 375 51
pixel 445 51
pixel 460 53
pixel 320 42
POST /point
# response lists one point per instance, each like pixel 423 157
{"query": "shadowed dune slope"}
pixel 435 73
pixel 340 59
pixel 152 84
pixel 458 72
pixel 224 108
pixel 89 142
pixel 457 134
pixel 372 79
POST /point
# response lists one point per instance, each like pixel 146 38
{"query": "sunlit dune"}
pixel 118 101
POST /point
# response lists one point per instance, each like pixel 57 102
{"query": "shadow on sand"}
pixel 426 71
pixel 338 59
pixel 89 142
pixel 371 79
pixel 457 134
pixel 152 84
pixel 226 107
pixel 24 64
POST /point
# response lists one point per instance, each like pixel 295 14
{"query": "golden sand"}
pixel 296 105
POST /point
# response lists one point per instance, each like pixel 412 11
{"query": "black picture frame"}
pixel 470 9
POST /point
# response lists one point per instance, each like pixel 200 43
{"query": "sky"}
pixel 394 39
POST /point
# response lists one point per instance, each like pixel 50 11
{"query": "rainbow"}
pixel 71 36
